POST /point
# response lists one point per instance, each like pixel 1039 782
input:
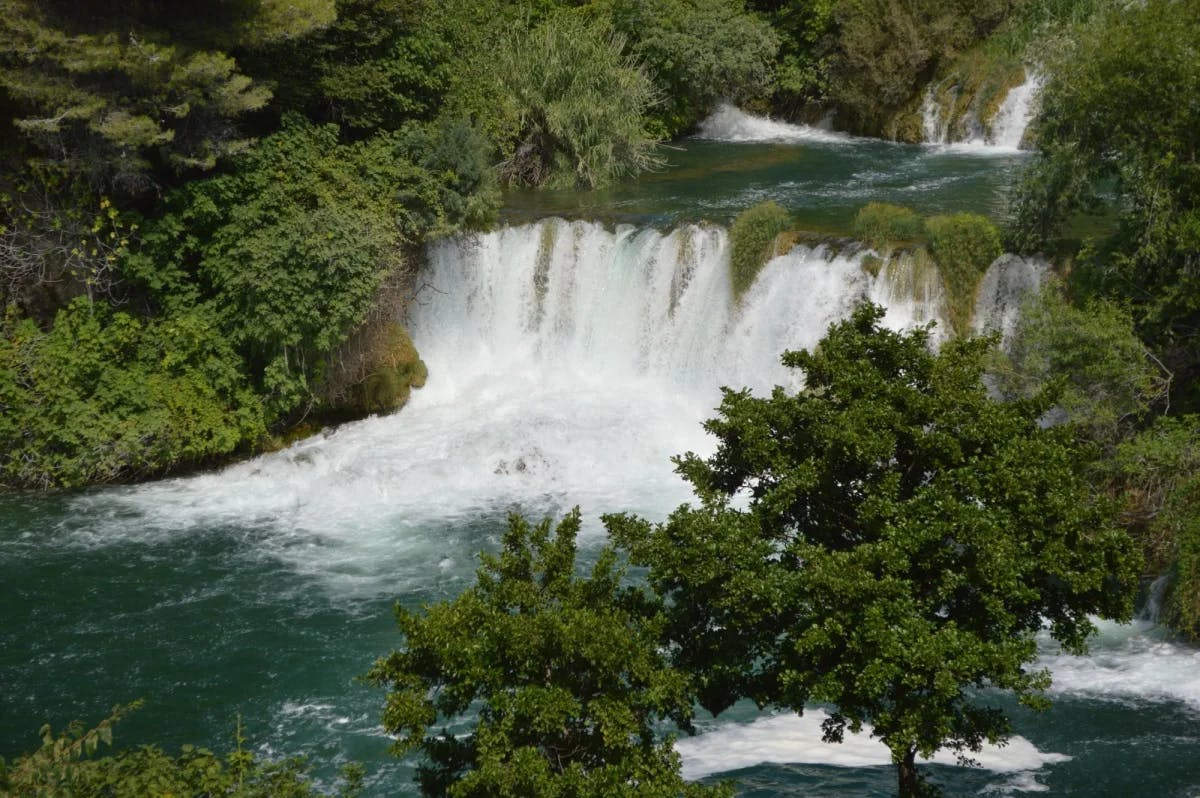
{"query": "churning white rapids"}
pixel 567 362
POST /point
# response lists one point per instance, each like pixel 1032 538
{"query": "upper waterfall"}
pixel 731 124
pixel 1003 133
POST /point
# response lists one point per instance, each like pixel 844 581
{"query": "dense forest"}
pixel 212 217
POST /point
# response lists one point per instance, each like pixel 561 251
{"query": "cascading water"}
pixel 1004 133
pixel 731 124
pixel 568 362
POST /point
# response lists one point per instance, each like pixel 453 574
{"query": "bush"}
pixel 103 396
pixel 1111 382
pixel 293 245
pixel 885 48
pixel 66 765
pixel 751 242
pixel 884 226
pixel 698 52
pixel 1157 472
pixel 578 105
pixel 964 246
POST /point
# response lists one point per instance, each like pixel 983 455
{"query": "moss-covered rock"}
pixel 963 245
pixel 886 227
pixel 392 370
pixel 752 242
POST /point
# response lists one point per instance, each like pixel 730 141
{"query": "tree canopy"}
pixel 564 673
pixel 1119 118
pixel 905 538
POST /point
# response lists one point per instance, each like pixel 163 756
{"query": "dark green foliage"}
pixel 65 766
pixel 1110 381
pixel 291 247
pixel 1157 474
pixel 1119 116
pixel 906 538
pixel 577 105
pixel 752 241
pixel 964 246
pixel 104 396
pixel 122 104
pixel 564 672
pixel 697 53
pixel 806 30
pixel 885 48
pixel 379 64
pixel 885 226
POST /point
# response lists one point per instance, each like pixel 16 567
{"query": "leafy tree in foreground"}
pixel 905 539
pixel 559 679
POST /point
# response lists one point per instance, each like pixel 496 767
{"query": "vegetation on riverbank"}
pixel 208 223
pixel 68 764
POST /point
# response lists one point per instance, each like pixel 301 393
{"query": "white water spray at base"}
pixel 797 739
pixel 731 124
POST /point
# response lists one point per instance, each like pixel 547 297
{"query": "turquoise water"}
pixel 264 591
pixel 822 183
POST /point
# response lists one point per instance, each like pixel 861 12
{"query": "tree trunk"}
pixel 910 782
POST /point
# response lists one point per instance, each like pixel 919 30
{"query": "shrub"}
pixel 883 225
pixel 1110 380
pixel 66 765
pixel 1157 473
pixel 104 396
pixel 964 245
pixel 698 52
pixel 751 241
pixel 292 247
pixel 578 103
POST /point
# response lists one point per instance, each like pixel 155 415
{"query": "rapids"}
pixel 569 360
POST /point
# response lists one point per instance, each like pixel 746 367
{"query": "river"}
pixel 569 359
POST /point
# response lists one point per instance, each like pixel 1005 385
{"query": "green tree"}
pixel 698 52
pixel 906 537
pixel 538 683
pixel 289 249
pixel 882 50
pixel 1111 382
pixel 105 396
pixel 121 103
pixel 1119 118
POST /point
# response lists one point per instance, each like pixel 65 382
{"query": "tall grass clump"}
pixel 752 241
pixel 885 226
pixel 964 245
pixel 577 105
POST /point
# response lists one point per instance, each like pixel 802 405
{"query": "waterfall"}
pixel 1004 288
pixel 934 125
pixel 1003 133
pixel 731 124
pixel 567 361
pixel 1015 113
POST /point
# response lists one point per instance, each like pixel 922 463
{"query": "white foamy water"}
pixel 568 362
pixel 796 739
pixel 1130 662
pixel 1003 135
pixel 1016 112
pixel 1008 282
pixel 730 123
